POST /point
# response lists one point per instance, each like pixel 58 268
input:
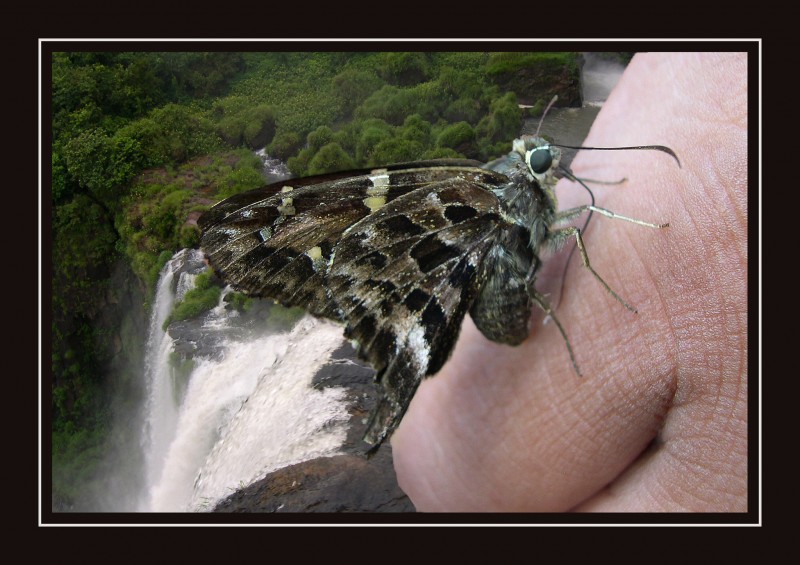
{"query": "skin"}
pixel 658 422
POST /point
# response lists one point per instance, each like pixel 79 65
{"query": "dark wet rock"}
pixel 191 338
pixel 200 336
pixel 343 483
pixel 345 370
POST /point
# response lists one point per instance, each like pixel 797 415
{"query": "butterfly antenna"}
pixel 541 120
pixel 661 148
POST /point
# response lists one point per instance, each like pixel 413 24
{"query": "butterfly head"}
pixel 541 158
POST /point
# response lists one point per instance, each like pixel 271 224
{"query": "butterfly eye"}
pixel 540 159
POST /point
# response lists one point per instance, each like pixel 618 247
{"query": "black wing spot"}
pixel 402 224
pixel 459 213
pixel 384 341
pixel 416 300
pixel 430 252
pixel 376 260
pixel 433 318
pixel 366 327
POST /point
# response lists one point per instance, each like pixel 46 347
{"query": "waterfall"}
pixel 161 411
pixel 598 78
pixel 273 169
pixel 248 407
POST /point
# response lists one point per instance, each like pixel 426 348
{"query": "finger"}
pixel 515 429
pixel 699 460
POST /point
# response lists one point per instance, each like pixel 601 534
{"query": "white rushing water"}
pixel 598 78
pixel 161 411
pixel 245 411
pixel 272 169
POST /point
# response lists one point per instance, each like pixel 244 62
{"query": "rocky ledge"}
pixel 348 482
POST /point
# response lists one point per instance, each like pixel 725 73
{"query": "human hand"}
pixel 658 422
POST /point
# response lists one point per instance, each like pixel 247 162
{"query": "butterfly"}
pixel 400 254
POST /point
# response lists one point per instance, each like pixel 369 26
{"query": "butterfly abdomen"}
pixel 502 309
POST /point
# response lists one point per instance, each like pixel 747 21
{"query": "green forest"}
pixel 143 142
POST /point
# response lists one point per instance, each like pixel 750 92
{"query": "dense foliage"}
pixel 204 296
pixel 142 143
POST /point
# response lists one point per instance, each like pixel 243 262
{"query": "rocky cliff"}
pixel 348 482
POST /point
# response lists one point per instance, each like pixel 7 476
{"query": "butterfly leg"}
pixel 571 213
pixel 557 237
pixel 543 303
pixel 570 175
pixel 604 182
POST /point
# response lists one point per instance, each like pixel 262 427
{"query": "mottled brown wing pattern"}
pixel 274 246
pixel 275 241
pixel 404 278
pixel 392 253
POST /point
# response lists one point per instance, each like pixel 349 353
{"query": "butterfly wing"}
pixel 405 277
pixel 272 242
pixel 276 241
pixel 394 254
